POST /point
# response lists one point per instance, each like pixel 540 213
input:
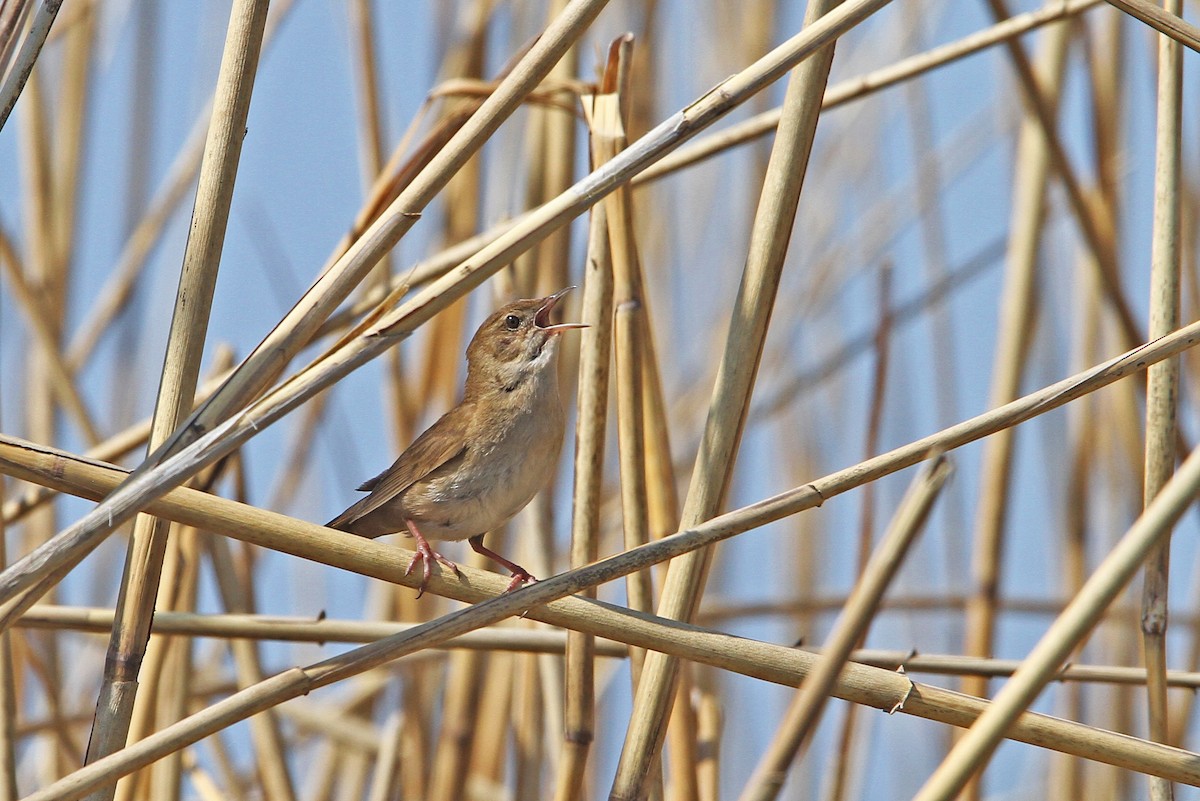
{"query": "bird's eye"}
pixel 512 322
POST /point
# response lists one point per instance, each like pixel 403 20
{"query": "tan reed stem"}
pixel 1162 380
pixel 26 56
pixel 1095 229
pixel 604 118
pixel 175 682
pixel 181 366
pixel 41 323
pixel 1018 303
pixel 590 426
pixel 845 755
pixel 385 780
pixel 730 403
pixel 270 747
pixel 1166 21
pixel 8 690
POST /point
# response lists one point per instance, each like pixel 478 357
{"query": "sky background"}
pixel 301 182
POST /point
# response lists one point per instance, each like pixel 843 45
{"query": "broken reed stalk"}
pixel 1162 380
pixel 604 118
pixel 590 427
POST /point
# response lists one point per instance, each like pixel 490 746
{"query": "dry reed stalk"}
pixel 1015 333
pixel 165 778
pixel 8 690
pixel 493 729
pixel 764 785
pixel 439 375
pixel 1066 779
pixel 165 670
pixel 1166 21
pixel 1076 621
pixel 51 127
pixel 943 350
pixel 385 781
pixel 12 20
pixel 31 45
pixel 181 366
pixel 603 113
pixel 956 665
pixel 550 142
pixel 866 85
pixel 708 745
pixel 230 625
pixel 849 629
pixel 464 681
pixel 1162 380
pixel 730 403
pixel 371 124
pixel 527 728
pixel 269 743
pixel 591 423
pixel 1095 229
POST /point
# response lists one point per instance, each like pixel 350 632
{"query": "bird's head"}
pixel 517 341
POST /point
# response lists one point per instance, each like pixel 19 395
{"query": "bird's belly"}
pixel 483 494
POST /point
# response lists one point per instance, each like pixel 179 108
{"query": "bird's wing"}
pixel 441 443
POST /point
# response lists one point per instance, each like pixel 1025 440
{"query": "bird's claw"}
pixel 519 578
pixel 427 556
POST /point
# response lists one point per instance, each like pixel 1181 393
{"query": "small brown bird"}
pixel 486 458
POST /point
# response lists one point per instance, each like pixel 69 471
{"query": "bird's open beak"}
pixel 542 318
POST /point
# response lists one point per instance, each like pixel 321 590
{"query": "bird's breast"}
pixel 504 465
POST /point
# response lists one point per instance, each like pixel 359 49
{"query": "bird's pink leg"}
pixel 426 556
pixel 520 574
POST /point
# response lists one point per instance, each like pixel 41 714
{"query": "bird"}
pixel 485 459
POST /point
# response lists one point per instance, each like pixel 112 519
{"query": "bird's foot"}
pixel 426 556
pixel 520 577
